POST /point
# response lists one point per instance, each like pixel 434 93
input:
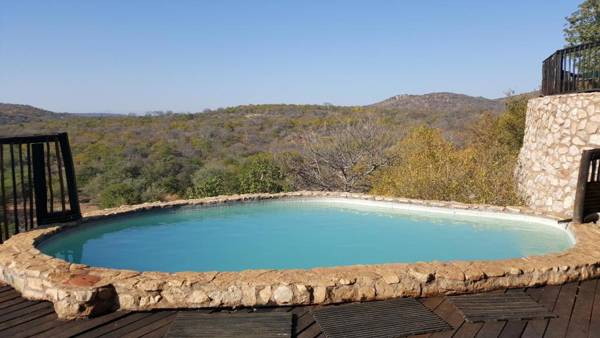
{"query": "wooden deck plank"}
pixel 582 310
pixel 312 331
pixel 595 317
pixel 25 319
pixel 159 332
pixel 160 320
pixel 5 288
pixel 305 325
pixel 547 297
pixel 8 290
pixel 535 293
pixel 275 309
pixel 76 327
pixel 12 302
pixel 515 290
pixel 303 319
pixel 138 322
pixel 513 328
pixel 450 314
pixel 6 317
pixel 557 327
pixel 432 302
pixel 34 328
pixel 468 330
pixel 491 329
pixel 424 335
pixel 16 306
pixel 9 295
pixel 115 325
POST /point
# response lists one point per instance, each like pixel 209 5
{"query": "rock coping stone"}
pixel 80 291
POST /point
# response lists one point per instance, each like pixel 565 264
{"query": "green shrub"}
pixel 208 182
pixel 117 194
pixel 427 166
pixel 260 173
pixel 510 127
pixel 154 192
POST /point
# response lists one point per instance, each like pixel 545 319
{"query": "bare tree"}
pixel 342 156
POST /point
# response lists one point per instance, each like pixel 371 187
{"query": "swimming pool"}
pixel 300 234
pixel 268 235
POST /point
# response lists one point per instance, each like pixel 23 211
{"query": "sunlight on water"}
pixel 287 234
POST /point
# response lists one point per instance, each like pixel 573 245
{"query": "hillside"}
pixel 155 156
pixel 447 111
pixel 20 113
pixel 441 103
pixel 265 127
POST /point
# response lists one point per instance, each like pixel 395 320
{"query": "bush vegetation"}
pixel 273 148
pixel 258 173
pixel 428 166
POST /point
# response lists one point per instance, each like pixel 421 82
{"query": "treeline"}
pixel 272 148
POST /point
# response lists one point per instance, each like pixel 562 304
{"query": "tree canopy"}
pixel 583 25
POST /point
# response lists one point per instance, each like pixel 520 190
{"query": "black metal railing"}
pixel 572 70
pixel 37 183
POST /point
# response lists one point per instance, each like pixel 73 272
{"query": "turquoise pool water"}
pixel 287 234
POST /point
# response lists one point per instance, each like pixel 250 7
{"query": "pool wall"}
pixel 79 291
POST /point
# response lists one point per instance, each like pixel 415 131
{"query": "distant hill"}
pixel 98 114
pixel 450 112
pixel 11 113
pixel 441 102
pixel 429 107
pixel 21 113
pixel 532 94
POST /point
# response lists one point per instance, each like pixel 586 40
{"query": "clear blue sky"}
pixel 135 56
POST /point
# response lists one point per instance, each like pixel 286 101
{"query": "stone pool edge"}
pixel 80 291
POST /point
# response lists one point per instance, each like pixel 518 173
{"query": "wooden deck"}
pixel 576 304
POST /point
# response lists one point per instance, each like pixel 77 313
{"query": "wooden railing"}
pixel 572 70
pixel 587 194
pixel 37 183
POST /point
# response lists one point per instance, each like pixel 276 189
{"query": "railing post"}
pixel 67 158
pixel 3 196
pixel 584 170
pixel 39 181
pixel 15 200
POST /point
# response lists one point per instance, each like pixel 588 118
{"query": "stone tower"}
pixel 557 129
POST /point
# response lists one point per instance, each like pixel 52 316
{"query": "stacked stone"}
pixel 558 128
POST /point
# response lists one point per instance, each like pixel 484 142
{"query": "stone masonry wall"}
pixel 558 128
